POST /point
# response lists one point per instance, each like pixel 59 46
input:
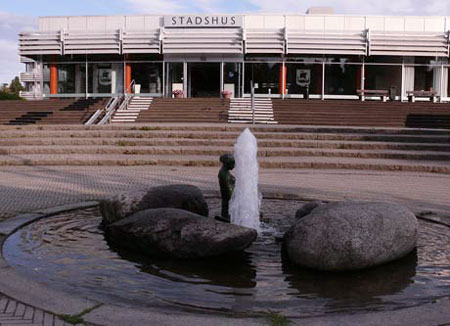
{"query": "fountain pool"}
pixel 69 252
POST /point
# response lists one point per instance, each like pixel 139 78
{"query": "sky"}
pixel 16 16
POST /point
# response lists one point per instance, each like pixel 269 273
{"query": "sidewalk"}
pixel 28 188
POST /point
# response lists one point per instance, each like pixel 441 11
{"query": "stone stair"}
pixel 185 110
pixel 55 111
pixel 280 146
pixel 135 107
pixel 241 111
pixel 356 113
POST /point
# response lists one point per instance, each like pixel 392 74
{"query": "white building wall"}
pixel 297 22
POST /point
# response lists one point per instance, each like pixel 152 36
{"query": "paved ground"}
pixel 13 313
pixel 25 189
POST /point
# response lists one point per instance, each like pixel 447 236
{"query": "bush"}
pixel 9 96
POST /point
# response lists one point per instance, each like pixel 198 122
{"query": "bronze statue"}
pixel 226 182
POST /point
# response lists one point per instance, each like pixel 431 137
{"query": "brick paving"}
pixel 30 188
pixel 13 313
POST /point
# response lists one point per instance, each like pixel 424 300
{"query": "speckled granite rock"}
pixel 176 233
pixel 187 197
pixel 308 208
pixel 351 235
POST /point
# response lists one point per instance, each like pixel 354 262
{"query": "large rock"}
pixel 169 232
pixel 307 208
pixel 185 197
pixel 351 235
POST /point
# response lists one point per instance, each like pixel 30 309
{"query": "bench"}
pixel 432 95
pixel 382 93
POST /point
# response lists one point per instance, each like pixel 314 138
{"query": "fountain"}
pixel 246 200
pixel 70 251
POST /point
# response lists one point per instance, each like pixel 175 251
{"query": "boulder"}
pixel 176 233
pixel 307 208
pixel 351 235
pixel 185 197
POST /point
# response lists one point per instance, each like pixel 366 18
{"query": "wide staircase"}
pixel 56 111
pixel 280 147
pixel 357 113
pixel 131 113
pixel 186 110
pixel 241 111
pixel 25 112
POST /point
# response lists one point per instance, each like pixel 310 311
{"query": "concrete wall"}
pixel 299 22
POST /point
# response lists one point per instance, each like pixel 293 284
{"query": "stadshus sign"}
pixel 202 21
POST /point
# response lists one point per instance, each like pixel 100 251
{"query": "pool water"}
pixel 69 251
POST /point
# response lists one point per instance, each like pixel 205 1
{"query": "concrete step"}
pixel 267 143
pixel 200 160
pixel 150 132
pixel 282 153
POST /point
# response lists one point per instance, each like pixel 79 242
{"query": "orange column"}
pixel 53 78
pixel 128 77
pixel 282 78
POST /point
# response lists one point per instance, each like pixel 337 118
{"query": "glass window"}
pixel 175 79
pixel 342 78
pixel 66 79
pixel 105 78
pixel 232 78
pixel 148 76
pixel 424 78
pixel 379 77
pixel 46 78
pixel 265 77
pixel 300 75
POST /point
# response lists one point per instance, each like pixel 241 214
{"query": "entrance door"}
pixel 204 79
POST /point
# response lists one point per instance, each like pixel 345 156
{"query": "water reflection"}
pixel 357 288
pixel 233 271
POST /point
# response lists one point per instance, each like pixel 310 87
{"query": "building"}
pixel 204 55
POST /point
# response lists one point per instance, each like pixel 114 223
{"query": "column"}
pixel 282 79
pixel 128 78
pixel 53 77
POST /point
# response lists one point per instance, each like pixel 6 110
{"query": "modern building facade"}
pixel 332 55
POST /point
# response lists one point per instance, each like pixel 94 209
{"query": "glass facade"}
pixel 383 77
pixel 319 76
pixel 175 77
pixel 265 77
pixel 105 78
pixel 149 77
pixel 342 78
pixel 232 78
pixel 302 75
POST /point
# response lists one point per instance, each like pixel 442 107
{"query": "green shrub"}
pixel 6 96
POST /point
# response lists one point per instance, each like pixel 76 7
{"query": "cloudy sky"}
pixel 22 15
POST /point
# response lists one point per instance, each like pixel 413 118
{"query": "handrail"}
pixel 109 111
pixel 97 113
pixel 130 87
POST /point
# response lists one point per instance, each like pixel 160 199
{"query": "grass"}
pixel 125 143
pixel 149 128
pixel 78 318
pixel 277 319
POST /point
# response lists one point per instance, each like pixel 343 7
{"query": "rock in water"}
pixel 351 235
pixel 176 233
pixel 307 208
pixel 185 197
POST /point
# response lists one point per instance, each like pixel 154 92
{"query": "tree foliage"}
pixel 16 87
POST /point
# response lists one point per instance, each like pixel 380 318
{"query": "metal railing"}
pixel 108 108
pixel 109 112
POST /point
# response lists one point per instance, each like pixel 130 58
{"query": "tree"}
pixel 15 86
